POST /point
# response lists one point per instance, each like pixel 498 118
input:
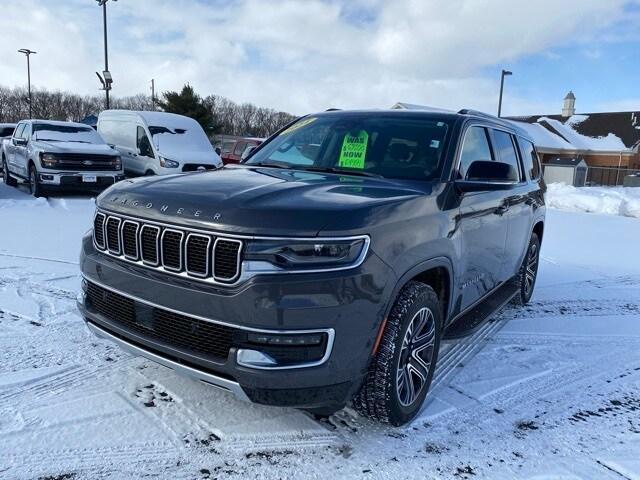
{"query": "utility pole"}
pixel 28 52
pixel 153 93
pixel 504 74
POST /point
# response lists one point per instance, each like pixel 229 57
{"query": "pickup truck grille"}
pixel 172 328
pixel 207 257
pixel 86 162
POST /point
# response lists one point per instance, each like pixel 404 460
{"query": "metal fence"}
pixel 608 176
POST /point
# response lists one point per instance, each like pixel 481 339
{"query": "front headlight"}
pixel 308 254
pixel 118 163
pixel 48 160
pixel 165 162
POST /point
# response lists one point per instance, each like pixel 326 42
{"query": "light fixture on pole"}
pixel 106 79
pixel 28 52
pixel 504 74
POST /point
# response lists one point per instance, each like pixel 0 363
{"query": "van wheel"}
pixel 526 278
pixel 6 176
pixel 400 374
pixel 149 173
pixel 35 188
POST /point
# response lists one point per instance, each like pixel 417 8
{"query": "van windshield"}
pixel 389 146
pixel 65 133
pixel 173 139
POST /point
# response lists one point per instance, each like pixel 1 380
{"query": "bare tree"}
pixel 229 117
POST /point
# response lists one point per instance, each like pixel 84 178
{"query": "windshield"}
pixel 175 139
pixel 65 133
pixel 377 145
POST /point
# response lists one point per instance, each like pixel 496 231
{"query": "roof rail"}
pixel 469 111
pixel 333 109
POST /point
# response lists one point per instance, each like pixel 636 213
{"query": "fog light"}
pixel 287 340
pixel 46 177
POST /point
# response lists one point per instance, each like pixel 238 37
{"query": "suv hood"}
pixel 254 200
pixel 75 147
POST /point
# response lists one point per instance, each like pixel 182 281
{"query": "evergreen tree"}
pixel 189 104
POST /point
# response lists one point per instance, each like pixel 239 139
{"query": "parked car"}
pixel 6 130
pixel 157 143
pixel 327 268
pixel 232 150
pixel 56 156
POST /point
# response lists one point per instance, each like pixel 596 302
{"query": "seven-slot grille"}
pixel 197 255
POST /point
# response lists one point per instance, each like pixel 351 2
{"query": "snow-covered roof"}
pixel 567 130
pixel 543 138
pixel 599 132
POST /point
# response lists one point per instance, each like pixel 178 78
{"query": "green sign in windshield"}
pixel 354 150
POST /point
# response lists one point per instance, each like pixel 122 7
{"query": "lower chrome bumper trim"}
pixel 208 378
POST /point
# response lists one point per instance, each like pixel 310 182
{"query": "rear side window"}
pixel 506 152
pixel 530 159
pixel 475 147
pixel 240 146
pixel 227 146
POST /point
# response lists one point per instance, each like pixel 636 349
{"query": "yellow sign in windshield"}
pixel 354 150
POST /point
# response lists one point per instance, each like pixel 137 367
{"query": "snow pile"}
pixel 624 201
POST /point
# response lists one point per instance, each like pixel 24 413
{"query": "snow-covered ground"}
pixel 623 201
pixel 550 391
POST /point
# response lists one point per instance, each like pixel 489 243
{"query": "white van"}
pixel 157 143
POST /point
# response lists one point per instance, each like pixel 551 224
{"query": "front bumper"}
pixel 75 180
pixel 347 306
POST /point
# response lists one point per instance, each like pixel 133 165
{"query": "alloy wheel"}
pixel 416 357
pixel 531 268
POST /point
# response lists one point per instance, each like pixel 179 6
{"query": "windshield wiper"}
pixel 340 171
pixel 46 140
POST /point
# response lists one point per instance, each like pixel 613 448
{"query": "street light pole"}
pixel 106 53
pixel 106 78
pixel 504 74
pixel 28 52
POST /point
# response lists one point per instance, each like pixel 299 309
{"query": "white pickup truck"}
pixel 53 156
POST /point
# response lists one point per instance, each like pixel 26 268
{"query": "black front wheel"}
pixel 528 273
pixel 400 374
pixel 35 188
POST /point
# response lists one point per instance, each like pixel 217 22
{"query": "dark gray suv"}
pixel 327 267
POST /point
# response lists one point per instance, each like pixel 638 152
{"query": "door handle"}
pixel 502 209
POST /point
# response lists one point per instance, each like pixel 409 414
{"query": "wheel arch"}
pixel 538 229
pixel 438 274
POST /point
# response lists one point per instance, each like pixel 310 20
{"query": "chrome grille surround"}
pixel 155 246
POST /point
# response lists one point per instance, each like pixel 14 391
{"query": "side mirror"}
pixel 218 151
pixel 21 142
pixel 484 175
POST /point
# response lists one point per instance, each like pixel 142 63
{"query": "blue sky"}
pixel 306 55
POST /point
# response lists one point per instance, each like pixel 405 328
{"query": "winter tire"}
pixel 400 374
pixel 526 278
pixel 6 177
pixel 35 188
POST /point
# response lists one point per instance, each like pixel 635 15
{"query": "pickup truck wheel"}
pixel 400 374
pixel 526 278
pixel 6 177
pixel 34 185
